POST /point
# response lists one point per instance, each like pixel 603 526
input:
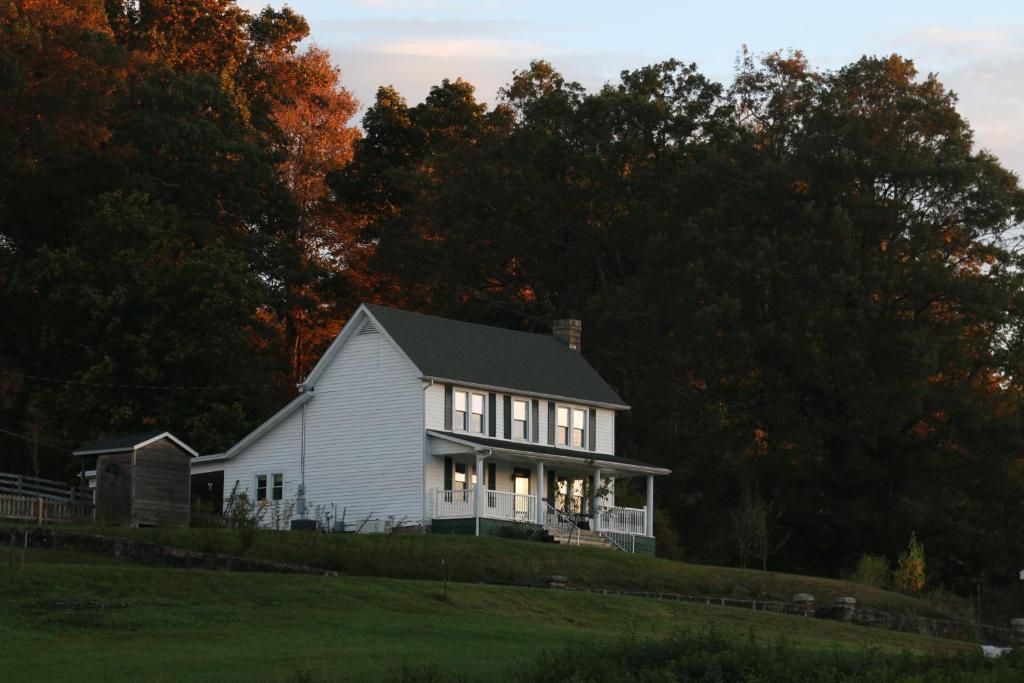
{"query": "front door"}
pixel 521 487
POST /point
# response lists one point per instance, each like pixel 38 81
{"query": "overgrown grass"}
pixel 500 560
pixel 69 617
pixel 713 656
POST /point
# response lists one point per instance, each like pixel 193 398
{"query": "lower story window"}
pixel 272 484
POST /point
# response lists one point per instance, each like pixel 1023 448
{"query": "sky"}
pixel 976 47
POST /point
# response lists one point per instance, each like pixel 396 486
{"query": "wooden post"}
pixel 541 489
pixel 649 515
pixel 39 511
pixel 478 492
pixel 594 512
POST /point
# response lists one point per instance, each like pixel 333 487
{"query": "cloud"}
pixel 985 68
pixel 466 47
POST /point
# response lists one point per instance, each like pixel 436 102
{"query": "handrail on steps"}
pixel 563 523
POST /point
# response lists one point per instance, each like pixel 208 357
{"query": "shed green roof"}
pixel 494 357
pixel 119 442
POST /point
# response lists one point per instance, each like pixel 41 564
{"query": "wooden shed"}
pixel 141 479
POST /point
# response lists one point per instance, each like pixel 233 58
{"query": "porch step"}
pixel 584 537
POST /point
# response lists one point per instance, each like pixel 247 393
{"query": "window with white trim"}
pixel 562 426
pixel 269 486
pixel 461 409
pixel 579 427
pixel 465 476
pixel 520 419
pixel 570 426
pixel 476 417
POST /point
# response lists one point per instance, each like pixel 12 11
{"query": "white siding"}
pixel 605 431
pixel 276 452
pixel 433 396
pixel 364 437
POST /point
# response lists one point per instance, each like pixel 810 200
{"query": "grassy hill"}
pixel 497 560
pixel 73 616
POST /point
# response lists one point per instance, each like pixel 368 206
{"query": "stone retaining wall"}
pixel 149 553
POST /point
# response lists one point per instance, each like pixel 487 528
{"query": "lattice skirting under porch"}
pixel 488 527
pixel 641 545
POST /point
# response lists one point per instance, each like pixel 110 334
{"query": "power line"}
pixel 31 440
pixel 158 387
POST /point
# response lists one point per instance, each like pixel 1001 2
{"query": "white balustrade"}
pixel 458 503
pixel 622 520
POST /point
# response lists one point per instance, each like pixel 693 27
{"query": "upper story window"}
pixel 520 419
pixel 461 407
pixel 579 426
pixel 476 420
pixel 468 412
pixel 562 426
pixel 570 427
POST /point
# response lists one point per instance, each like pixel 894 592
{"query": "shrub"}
pixel 247 517
pixel 874 571
pixel 910 574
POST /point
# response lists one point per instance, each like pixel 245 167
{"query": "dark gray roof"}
pixel 494 357
pixel 121 442
pixel 544 449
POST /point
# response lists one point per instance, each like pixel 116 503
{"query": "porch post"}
pixel 595 485
pixel 478 491
pixel 649 515
pixel 539 502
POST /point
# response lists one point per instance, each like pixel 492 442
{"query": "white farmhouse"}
pixel 411 420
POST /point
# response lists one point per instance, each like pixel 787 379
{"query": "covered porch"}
pixel 524 485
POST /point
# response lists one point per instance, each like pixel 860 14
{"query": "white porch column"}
pixel 649 515
pixel 478 491
pixel 594 486
pixel 539 502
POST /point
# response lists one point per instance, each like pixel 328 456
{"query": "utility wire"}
pixel 31 440
pixel 164 387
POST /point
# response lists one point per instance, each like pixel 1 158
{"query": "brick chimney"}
pixel 568 331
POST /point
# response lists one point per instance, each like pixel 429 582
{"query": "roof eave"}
pixel 598 458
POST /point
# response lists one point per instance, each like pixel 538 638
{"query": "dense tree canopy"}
pixel 805 282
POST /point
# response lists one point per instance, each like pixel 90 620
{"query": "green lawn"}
pixel 70 616
pixel 492 559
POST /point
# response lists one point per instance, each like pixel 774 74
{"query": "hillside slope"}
pixel 82 617
pixel 518 562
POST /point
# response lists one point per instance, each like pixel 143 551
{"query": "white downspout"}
pixel 426 454
pixel 300 503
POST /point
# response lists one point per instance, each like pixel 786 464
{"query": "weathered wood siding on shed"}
pixel 114 489
pixel 161 485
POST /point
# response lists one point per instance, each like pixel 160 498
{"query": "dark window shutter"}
pixel 535 427
pixel 552 483
pixel 448 407
pixel 492 417
pixel 551 422
pixel 508 416
pixel 492 476
pixel 592 436
pixel 448 474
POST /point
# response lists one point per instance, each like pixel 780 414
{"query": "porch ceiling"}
pixel 443 443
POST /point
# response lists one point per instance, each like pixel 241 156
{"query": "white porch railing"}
pixel 622 520
pixel 454 504
pixel 459 503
